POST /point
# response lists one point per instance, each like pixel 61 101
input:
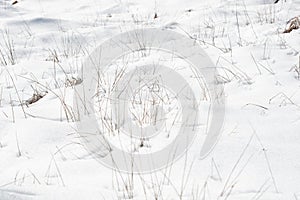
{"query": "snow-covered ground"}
pixel 43 44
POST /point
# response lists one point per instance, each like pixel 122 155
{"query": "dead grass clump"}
pixel 70 82
pixel 292 24
pixel 35 97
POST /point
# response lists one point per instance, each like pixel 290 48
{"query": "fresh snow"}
pixel 258 154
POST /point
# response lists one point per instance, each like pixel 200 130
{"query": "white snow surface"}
pixel 258 154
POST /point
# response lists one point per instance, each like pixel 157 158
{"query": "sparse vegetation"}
pixel 43 46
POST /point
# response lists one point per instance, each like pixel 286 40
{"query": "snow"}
pixel 258 154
